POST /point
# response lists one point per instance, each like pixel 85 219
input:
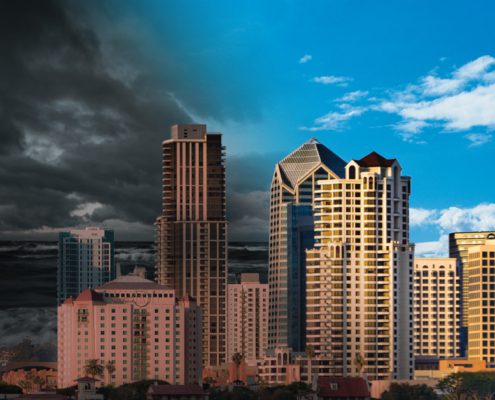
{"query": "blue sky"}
pixel 412 80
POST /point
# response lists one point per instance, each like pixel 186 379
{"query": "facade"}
pixel 85 260
pixel 291 233
pixel 360 274
pixel 441 368
pixel 481 305
pixel 137 325
pixel 459 244
pixel 436 307
pixel 247 315
pixel 191 232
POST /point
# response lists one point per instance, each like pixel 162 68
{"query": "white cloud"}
pixel 85 209
pixel 353 96
pixel 332 80
pixel 333 120
pixel 421 216
pixel 448 220
pixel 478 139
pixel 475 69
pixel 305 58
pixel 438 86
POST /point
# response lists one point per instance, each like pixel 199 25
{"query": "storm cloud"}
pixel 83 111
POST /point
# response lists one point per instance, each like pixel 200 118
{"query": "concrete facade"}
pixel 191 232
pixel 135 324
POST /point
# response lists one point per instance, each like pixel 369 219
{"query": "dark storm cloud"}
pixel 83 111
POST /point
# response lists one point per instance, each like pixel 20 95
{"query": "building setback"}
pixel 436 307
pixel 481 287
pixel 191 232
pixel 359 275
pixel 137 325
pixel 291 233
pixel 247 322
pixel 85 260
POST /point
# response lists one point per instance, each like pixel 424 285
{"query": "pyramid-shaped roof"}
pixel 89 295
pixel 131 281
pixel 375 160
pixel 307 157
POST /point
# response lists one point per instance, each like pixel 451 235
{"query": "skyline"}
pixel 88 152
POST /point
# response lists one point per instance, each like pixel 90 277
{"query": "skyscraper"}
pixel 436 307
pixel 247 325
pixel 191 232
pixel 85 260
pixel 291 233
pixel 359 275
pixel 481 305
pixel 459 245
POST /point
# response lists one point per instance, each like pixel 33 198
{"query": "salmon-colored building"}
pixel 134 324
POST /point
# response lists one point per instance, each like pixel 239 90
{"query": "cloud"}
pixel 353 96
pixel 478 139
pixel 452 219
pixel 332 80
pixel 437 248
pixel 333 121
pixel 305 58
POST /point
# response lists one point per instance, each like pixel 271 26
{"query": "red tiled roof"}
pixel 89 295
pixel 68 300
pixel 87 379
pixel 375 160
pixel 354 387
pixel 178 390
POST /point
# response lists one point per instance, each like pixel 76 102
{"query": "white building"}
pixel 359 276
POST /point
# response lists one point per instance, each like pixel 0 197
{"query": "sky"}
pixel 90 89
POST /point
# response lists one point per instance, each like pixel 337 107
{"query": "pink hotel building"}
pixel 135 323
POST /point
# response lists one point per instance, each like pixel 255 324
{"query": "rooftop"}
pixel 307 157
pixel 375 160
pixel 89 295
pixel 349 387
pixel 131 281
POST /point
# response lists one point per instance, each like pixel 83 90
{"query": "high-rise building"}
pixel 191 232
pixel 137 326
pixel 85 260
pixel 436 307
pixel 360 274
pixel 247 318
pixel 459 244
pixel 291 233
pixel 481 305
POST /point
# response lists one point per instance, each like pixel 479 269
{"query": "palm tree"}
pixel 359 362
pixel 94 368
pixel 237 359
pixel 310 353
pixel 110 366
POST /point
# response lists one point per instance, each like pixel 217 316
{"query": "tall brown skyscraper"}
pixel 191 232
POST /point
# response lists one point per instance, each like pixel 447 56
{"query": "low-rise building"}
pixel 32 376
pixel 176 392
pixel 343 388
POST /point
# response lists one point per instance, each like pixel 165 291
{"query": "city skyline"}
pixel 357 80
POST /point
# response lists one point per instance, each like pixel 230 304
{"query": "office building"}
pixel 436 308
pixel 85 260
pixel 247 318
pixel 360 274
pixel 191 232
pixel 459 244
pixel 481 304
pixel 291 233
pixel 138 326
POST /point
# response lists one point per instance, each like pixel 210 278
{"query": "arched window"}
pixel 352 172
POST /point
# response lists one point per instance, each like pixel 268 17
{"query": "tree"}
pixel 9 389
pixel 110 367
pixel 404 391
pixel 133 391
pixel 237 359
pixel 359 362
pixel 301 390
pixel 468 385
pixel 94 368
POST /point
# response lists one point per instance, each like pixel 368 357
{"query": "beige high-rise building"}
pixel 481 319
pixel 291 233
pixel 459 244
pixel 247 318
pixel 436 307
pixel 191 233
pixel 360 273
